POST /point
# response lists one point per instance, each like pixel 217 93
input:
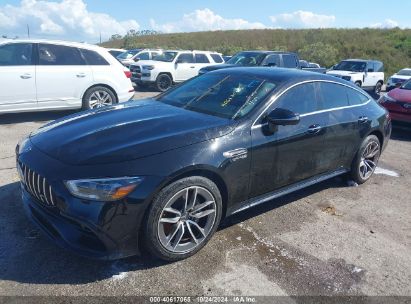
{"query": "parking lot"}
pixel 330 239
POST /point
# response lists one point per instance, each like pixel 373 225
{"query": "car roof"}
pixel 60 42
pixel 281 75
pixel 362 60
pixel 267 52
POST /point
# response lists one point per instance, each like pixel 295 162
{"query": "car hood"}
pixel 343 73
pixel 127 131
pixel 400 94
pixel 405 77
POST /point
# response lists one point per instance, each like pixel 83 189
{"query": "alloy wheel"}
pixel 369 159
pixel 100 99
pixel 164 83
pixel 187 219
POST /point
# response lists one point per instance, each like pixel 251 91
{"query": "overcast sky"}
pixel 84 20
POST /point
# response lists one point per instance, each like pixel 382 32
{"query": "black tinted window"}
pixel 185 58
pixel 201 58
pixel 355 97
pixel 93 58
pixel 50 54
pixel 289 61
pixel 143 56
pixel 217 58
pixel 272 60
pixel 379 67
pixel 16 54
pixel 332 95
pixel 300 99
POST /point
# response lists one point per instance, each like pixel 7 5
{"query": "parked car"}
pixel 311 66
pixel 366 74
pixel 398 102
pixel 135 55
pixel 116 52
pixel 398 79
pixel 226 58
pixel 52 75
pixel 260 58
pixel 161 173
pixel 172 67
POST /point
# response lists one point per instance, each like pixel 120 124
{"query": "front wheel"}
pixel 366 160
pixel 163 82
pixel 182 218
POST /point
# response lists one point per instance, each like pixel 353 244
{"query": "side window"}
pixel 289 61
pixel 332 95
pixel 185 58
pixel 217 58
pixel 379 67
pixel 16 54
pixel 93 58
pixel 272 60
pixel 370 67
pixel 143 56
pixel 355 97
pixel 201 58
pixel 300 99
pixel 50 54
pixel 154 54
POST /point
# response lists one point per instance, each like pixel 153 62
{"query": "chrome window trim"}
pixel 255 126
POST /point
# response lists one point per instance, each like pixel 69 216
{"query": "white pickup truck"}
pixel 367 74
pixel 171 67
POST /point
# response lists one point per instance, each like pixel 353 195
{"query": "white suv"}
pixel 367 74
pixel 129 57
pixel 172 67
pixel 38 75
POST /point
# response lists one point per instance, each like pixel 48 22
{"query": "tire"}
pixel 366 160
pixel 377 88
pixel 172 234
pixel 163 82
pixel 97 97
pixel 358 84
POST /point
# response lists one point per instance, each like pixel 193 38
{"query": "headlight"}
pixel 148 67
pixel 105 189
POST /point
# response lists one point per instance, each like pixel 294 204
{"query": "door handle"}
pixel 362 119
pixel 25 76
pixel 81 75
pixel 192 67
pixel 314 129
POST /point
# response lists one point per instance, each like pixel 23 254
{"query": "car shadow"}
pixel 401 131
pixel 14 118
pixel 27 256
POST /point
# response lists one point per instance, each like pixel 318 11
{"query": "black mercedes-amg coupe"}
pixel 160 174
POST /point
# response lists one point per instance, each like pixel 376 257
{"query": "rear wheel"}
pixel 163 82
pixel 358 84
pixel 366 160
pixel 378 87
pixel 97 97
pixel 182 218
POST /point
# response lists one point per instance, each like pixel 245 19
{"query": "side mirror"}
pixel 282 117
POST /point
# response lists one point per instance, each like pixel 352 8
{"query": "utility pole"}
pixel 28 31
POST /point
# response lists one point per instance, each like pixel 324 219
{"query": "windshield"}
pixel 222 95
pixel 165 56
pixel 247 59
pixel 406 85
pixel 128 54
pixel 405 72
pixel 353 66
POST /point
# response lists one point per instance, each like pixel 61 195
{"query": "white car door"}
pixel 62 76
pixel 184 67
pixel 201 60
pixel 370 77
pixel 17 78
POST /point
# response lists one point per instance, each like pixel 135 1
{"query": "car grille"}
pixel 37 185
pixel 135 69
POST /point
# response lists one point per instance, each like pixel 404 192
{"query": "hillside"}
pixel 325 46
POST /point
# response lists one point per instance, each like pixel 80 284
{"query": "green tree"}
pixel 319 52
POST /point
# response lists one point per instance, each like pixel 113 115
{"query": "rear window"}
pixel 217 58
pixel 93 58
pixel 355 97
pixel 332 95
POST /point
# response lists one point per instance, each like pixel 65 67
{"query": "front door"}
pixel 291 153
pixel 17 77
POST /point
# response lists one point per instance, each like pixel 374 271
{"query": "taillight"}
pixel 128 74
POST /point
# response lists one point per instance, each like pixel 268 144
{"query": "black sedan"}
pixel 160 174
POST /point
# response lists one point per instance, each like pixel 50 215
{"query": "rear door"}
pixel 17 77
pixel 201 60
pixel 371 76
pixel 62 76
